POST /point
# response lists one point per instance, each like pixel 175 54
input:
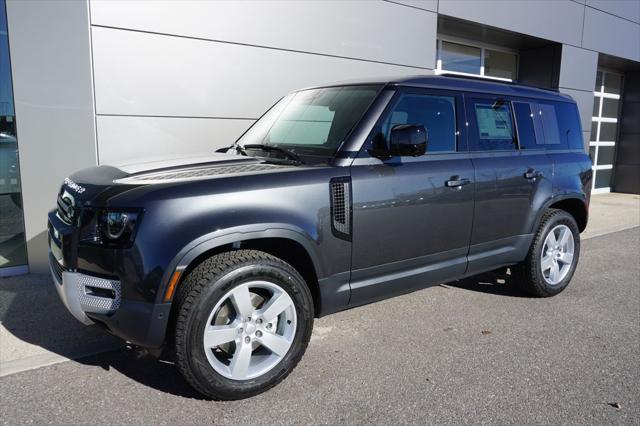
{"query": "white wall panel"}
pixel 146 74
pixel 377 31
pixel 559 20
pixel 578 68
pixel 609 34
pixel 51 68
pixel 122 139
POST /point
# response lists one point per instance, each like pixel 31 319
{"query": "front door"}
pixel 412 216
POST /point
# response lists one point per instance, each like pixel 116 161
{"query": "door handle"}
pixel 532 175
pixel 456 182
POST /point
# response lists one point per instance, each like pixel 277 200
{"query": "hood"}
pixel 85 185
pixel 161 163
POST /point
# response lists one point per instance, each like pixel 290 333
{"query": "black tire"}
pixel 528 274
pixel 197 296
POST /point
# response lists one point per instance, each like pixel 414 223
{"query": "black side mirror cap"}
pixel 408 140
pixel 378 148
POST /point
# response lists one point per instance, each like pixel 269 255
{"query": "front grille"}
pixel 66 211
pixel 341 207
pixel 201 173
pixel 56 267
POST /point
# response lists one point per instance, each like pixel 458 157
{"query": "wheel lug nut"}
pixel 258 333
pixel 259 321
pixel 269 326
pixel 240 330
pixel 247 339
pixel 249 319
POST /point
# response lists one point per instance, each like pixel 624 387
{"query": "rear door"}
pixel 412 216
pixel 513 177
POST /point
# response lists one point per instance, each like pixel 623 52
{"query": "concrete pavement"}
pixel 470 352
pixel 36 330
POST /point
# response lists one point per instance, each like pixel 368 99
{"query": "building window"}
pixel 13 252
pixel 465 58
pixel 460 58
pixel 604 128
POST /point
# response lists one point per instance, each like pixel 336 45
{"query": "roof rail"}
pixel 492 79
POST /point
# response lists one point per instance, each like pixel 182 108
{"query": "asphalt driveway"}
pixel 468 352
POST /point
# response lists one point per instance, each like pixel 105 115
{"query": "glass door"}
pixel 13 252
pixel 604 128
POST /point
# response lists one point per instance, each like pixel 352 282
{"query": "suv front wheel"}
pixel 244 320
pixel 553 256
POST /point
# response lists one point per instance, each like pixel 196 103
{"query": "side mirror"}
pixel 408 140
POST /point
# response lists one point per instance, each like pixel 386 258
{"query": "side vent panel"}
pixel 340 189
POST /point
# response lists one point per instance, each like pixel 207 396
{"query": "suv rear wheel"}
pixel 553 256
pixel 244 320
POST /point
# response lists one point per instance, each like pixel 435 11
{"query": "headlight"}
pixel 111 228
pixel 115 226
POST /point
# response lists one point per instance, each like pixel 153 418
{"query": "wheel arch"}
pixel 290 245
pixel 574 204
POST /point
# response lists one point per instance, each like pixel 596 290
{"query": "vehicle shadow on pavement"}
pixel 36 330
pixel 496 283
pixel 136 364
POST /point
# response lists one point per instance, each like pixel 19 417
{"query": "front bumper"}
pixel 92 299
pixel 82 294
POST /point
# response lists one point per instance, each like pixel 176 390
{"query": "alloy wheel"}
pixel 250 330
pixel 557 254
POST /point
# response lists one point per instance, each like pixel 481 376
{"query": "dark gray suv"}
pixel 338 196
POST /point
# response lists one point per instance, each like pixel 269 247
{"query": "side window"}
pixel 494 126
pixel 529 127
pixel 436 113
pixel 550 124
pixel 569 126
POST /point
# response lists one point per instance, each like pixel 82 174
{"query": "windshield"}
pixel 312 122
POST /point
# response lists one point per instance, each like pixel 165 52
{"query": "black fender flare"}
pixel 560 197
pixel 222 237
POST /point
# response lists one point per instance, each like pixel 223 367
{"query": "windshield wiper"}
pixel 263 147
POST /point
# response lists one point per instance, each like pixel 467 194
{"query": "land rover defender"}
pixel 336 197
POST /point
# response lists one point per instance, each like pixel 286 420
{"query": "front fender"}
pixel 223 237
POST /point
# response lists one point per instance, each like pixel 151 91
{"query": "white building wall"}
pixel 185 77
pixel 52 85
pixel 181 77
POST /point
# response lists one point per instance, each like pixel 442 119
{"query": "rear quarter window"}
pixel 561 125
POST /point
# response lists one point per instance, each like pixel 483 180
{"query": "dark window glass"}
pixel 606 154
pixel 436 113
pixel 500 64
pixel 608 132
pixel 561 124
pixel 494 127
pixel 549 118
pixel 612 83
pixel 526 122
pixel 13 250
pixel 603 178
pixel 594 130
pixel 592 153
pixel 610 107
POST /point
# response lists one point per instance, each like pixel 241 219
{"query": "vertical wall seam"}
pixel 93 84
pixel 584 16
